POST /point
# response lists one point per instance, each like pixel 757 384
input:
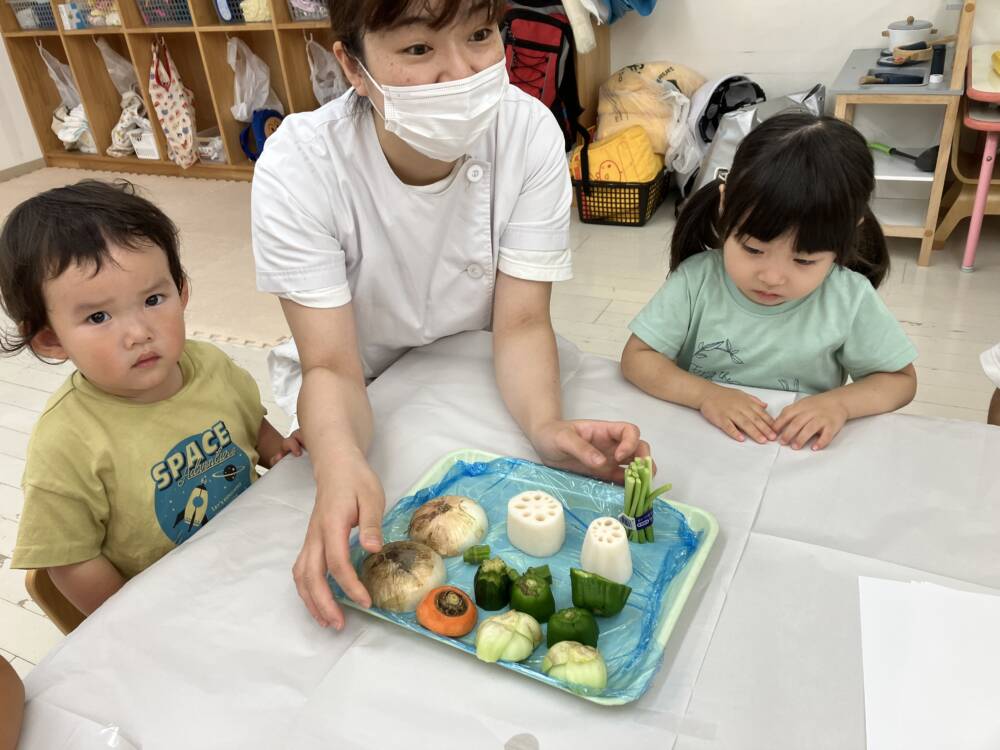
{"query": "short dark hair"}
pixel 351 20
pixel 72 225
pixel 795 173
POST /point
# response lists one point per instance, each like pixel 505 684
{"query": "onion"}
pixel 449 524
pixel 401 574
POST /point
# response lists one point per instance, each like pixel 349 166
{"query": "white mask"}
pixel 442 120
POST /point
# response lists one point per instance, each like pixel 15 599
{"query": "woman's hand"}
pixel 821 416
pixel 737 413
pixel 348 494
pixel 591 447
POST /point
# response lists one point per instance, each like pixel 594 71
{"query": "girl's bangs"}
pixel 795 201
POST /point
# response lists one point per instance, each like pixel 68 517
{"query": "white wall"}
pixel 784 45
pixel 18 144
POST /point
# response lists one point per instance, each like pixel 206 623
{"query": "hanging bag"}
pixel 327 78
pixel 133 116
pixel 174 107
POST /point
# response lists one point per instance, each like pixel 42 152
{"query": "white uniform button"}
pixel 474 173
pixel 475 271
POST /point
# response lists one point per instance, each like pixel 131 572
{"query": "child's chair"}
pixel 58 608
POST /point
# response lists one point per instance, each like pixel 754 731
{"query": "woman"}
pixel 431 199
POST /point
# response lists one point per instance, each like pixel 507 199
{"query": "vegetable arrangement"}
pixel 407 576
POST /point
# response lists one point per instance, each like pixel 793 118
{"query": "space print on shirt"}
pixel 197 478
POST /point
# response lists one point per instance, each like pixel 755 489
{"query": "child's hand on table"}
pixel 737 413
pixel 293 444
pixel 821 416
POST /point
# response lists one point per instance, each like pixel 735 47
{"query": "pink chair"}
pixel 980 113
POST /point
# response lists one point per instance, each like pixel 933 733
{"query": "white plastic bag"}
pixel 75 132
pixel 328 81
pixel 252 82
pixel 119 69
pixel 62 76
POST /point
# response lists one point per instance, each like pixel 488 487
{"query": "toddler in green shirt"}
pixel 152 435
pixel 773 273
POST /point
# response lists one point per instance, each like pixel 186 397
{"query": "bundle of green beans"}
pixel 639 497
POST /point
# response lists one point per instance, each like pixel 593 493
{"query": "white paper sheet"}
pixel 931 666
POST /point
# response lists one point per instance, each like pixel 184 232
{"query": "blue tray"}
pixel 664 572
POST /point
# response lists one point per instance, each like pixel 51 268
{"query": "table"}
pixel 211 647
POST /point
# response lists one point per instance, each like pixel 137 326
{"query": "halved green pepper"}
pixel 532 595
pixel 572 624
pixel 599 595
pixel 492 584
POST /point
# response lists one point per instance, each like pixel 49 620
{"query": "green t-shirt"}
pixel 699 319
pixel 106 476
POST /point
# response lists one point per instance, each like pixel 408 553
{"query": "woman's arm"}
pixel 822 416
pixel 733 411
pixel 527 372
pixel 87 585
pixel 336 420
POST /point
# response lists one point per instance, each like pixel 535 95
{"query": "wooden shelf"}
pixel 304 25
pixel 901 217
pixel 160 29
pixel 33 32
pixel 235 28
pixel 199 52
pixel 898 168
pixel 95 31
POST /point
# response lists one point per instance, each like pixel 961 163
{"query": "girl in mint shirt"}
pixel 773 271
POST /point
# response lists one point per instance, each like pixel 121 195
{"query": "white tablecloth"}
pixel 211 647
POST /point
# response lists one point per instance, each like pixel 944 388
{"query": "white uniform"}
pixel 332 224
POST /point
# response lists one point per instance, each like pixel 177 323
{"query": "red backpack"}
pixel 541 61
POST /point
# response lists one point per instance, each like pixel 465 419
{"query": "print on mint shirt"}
pixel 197 478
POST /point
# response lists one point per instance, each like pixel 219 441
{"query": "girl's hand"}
pixel 348 494
pixel 591 447
pixel 737 413
pixel 821 416
pixel 293 444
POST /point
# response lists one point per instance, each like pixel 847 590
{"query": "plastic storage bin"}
pixel 308 10
pixel 165 12
pixel 629 204
pixel 89 14
pixel 32 15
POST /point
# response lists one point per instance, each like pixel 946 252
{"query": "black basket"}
pixel 623 204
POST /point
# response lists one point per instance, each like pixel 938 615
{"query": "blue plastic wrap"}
pixel 627 640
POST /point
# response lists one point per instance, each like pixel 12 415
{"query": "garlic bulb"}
pixel 401 574
pixel 605 550
pixel 449 524
pixel 535 523
pixel 511 636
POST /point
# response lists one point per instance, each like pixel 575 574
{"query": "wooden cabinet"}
pixel 197 40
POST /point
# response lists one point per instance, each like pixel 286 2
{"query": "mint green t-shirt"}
pixel 699 319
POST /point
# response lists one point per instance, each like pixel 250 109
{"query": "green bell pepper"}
pixel 532 595
pixel 599 595
pixel 572 624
